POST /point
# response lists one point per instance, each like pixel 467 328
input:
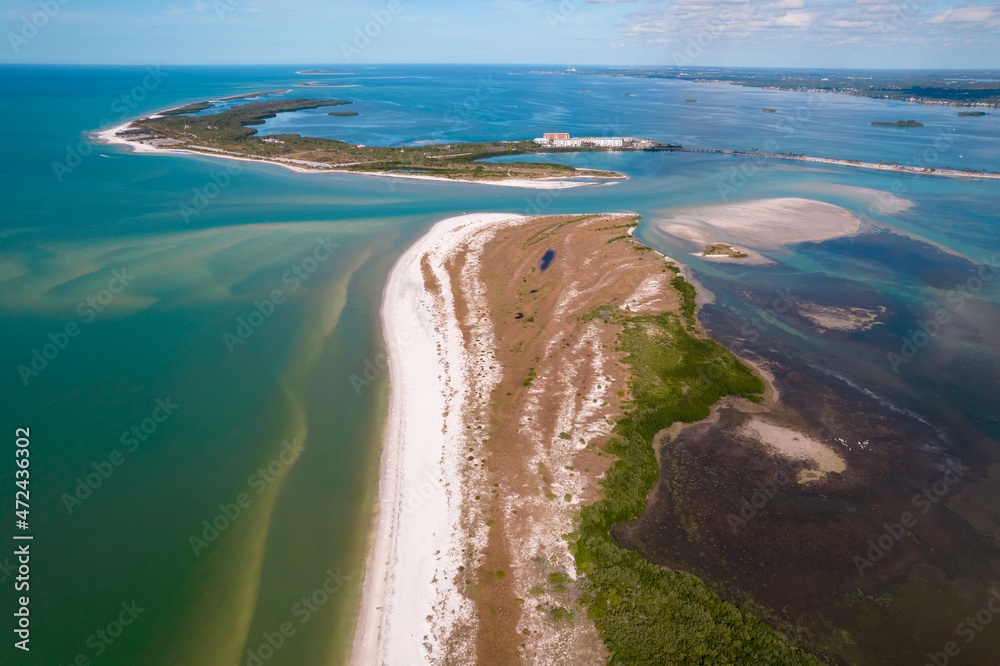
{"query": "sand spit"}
pixel 504 387
pixel 876 166
pixel 410 610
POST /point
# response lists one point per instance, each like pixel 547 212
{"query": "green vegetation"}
pixel 558 581
pixel 647 615
pixel 542 234
pixel 723 250
pixel 688 297
pixel 605 313
pixel 232 131
pixel 190 108
pixel 972 113
pixel 558 614
pixel 899 123
pixel 228 128
pixel 343 114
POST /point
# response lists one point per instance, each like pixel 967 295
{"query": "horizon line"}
pixel 503 64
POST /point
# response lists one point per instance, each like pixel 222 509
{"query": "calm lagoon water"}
pixel 252 318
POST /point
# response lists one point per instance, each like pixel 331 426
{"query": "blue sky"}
pixel 791 33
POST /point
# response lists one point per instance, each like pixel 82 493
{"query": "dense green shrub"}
pixel 647 615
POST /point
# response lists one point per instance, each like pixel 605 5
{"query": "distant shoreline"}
pixel 902 168
pixel 111 137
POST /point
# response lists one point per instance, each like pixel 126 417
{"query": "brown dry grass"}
pixel 527 469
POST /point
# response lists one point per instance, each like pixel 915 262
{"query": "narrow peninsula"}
pixel 533 360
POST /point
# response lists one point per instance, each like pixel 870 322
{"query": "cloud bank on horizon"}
pixel 800 33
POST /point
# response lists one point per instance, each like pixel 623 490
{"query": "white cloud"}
pixel 867 26
pixel 841 23
pixel 967 14
pixel 795 19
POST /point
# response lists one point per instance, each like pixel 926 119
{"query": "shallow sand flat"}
pixel 875 201
pixel 840 319
pixel 761 223
pixel 797 446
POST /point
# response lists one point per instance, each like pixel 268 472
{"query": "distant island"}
pixel 253 94
pixel 327 72
pixel 972 113
pixel 899 123
pixel 723 250
pixel 313 84
pixel 691 101
pixel 955 88
pixel 230 133
pixel 769 110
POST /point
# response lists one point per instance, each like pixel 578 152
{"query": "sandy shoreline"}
pixel 414 539
pixel 110 137
pixel 901 168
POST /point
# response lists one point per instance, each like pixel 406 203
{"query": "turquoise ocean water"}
pixel 188 341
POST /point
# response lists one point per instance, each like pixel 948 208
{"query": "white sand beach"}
pixel 409 608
